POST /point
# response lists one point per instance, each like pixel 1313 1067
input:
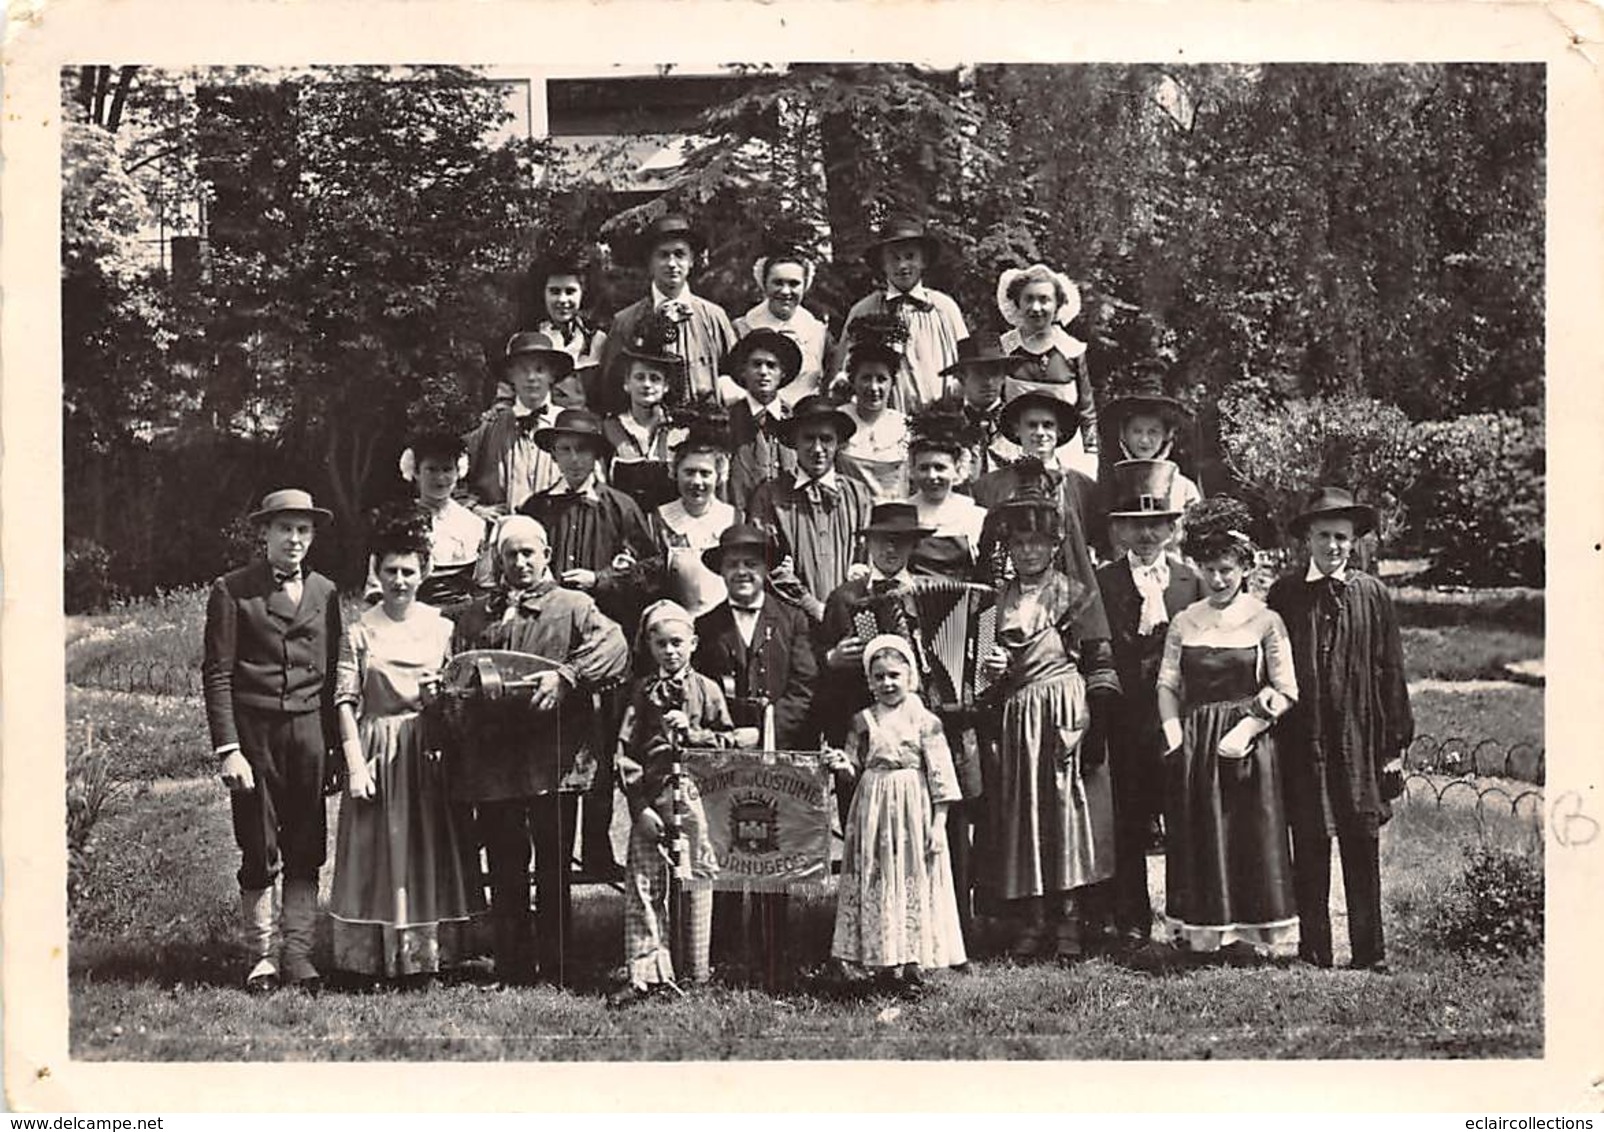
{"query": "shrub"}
pixel 1494 908
pixel 90 787
pixel 1479 500
pixel 1281 451
pixel 86 576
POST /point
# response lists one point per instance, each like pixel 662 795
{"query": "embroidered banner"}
pixel 768 816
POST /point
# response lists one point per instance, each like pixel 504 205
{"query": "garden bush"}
pixel 86 576
pixel 1281 451
pixel 1494 908
pixel 1478 503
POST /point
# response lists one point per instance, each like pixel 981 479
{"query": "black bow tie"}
pixel 883 585
pixel 285 577
pixel 528 423
pixel 911 302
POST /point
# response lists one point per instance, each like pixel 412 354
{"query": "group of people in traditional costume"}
pixel 685 516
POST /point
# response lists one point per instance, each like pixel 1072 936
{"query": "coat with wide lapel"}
pixel 1136 658
pixel 779 667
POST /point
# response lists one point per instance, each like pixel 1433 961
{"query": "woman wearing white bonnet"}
pixel 1039 303
pixel 784 276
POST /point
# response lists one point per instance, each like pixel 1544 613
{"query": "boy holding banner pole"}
pixel 669 708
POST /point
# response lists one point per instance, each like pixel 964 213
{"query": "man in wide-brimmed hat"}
pixel 272 639
pixel 668 249
pixel 1342 743
pixel 889 538
pixel 764 363
pixel 1038 423
pixel 1142 589
pixel 600 544
pixel 981 373
pixel 505 465
pixel 900 254
pixel 816 515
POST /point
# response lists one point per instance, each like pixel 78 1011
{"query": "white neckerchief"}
pixel 1315 573
pixel 917 291
pixel 1151 582
pixel 659 299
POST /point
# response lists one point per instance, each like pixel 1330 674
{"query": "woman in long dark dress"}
pixel 1226 676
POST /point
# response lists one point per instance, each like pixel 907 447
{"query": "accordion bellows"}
pixel 952 625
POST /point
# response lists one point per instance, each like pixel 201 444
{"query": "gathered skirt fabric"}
pixel 1051 817
pixel 1227 864
pixel 896 904
pixel 406 883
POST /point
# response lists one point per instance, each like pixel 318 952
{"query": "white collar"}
pixel 1066 343
pixel 828 479
pixel 658 298
pixel 918 291
pixel 776 408
pixel 1315 573
pixel 642 434
pixel 1160 569
pixel 762 316
pixel 750 611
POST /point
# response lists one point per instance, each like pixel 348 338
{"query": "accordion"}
pixel 952 625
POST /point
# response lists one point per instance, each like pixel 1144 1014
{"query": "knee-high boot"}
pixel 256 920
pixel 300 914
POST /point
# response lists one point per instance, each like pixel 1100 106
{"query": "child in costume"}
pixel 896 913
pixel 669 708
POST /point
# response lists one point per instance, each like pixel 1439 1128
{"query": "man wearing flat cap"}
pixel 272 640
pixel 669 248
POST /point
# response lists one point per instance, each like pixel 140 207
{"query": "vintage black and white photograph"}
pixel 804 561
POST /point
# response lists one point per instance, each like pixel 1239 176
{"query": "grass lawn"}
pixel 154 976
pixel 1507 717
pixel 1465 652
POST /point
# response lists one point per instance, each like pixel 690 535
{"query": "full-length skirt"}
pixel 405 883
pixel 896 904
pixel 1051 817
pixel 1227 864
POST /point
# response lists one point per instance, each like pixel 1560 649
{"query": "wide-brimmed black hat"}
pixel 1142 490
pixel 532 343
pixel 1334 503
pixel 652 341
pixel 1033 505
pixel 782 346
pixel 980 357
pixel 1144 392
pixel 670 226
pixel 738 536
pixel 286 500
pixel 574 422
pixel 815 407
pixel 895 231
pixel 1067 412
pixel 896 519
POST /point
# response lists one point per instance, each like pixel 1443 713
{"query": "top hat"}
pixel 1334 503
pixel 1142 490
pixel 574 422
pixel 896 519
pixel 815 407
pixel 669 226
pixel 782 346
pixel 738 535
pixel 980 356
pixel 532 343
pixel 1067 412
pixel 1144 393
pixel 1034 505
pixel 895 231
pixel 289 499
